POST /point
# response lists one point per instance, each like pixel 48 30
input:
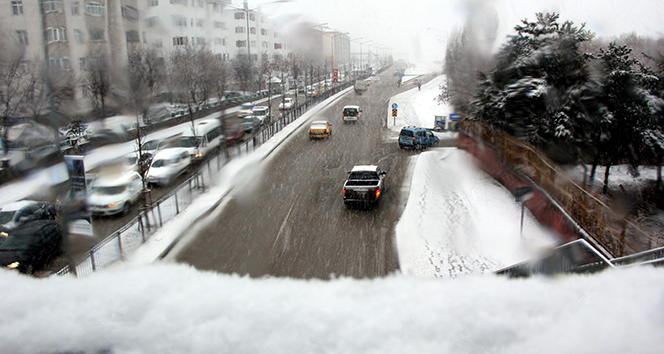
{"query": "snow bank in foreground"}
pixel 177 309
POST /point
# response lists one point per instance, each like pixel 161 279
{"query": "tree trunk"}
pixel 659 172
pixel 605 190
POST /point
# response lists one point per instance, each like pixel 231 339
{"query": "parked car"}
pixel 234 135
pixel 16 214
pixel 151 146
pixel 167 165
pixel 114 194
pixel 417 138
pixel 351 114
pixel 30 247
pixel 286 104
pixel 262 113
pixel 250 124
pixel 320 129
pixel 246 109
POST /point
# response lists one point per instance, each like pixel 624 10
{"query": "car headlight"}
pixel 113 205
pixel 13 265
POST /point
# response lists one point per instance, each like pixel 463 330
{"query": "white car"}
pixel 15 214
pixel 262 113
pixel 167 165
pixel 246 109
pixel 114 194
pixel 287 103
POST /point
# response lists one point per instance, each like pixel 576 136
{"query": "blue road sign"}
pixel 455 116
pixel 394 106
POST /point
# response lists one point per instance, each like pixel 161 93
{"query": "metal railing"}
pixel 617 234
pixel 138 230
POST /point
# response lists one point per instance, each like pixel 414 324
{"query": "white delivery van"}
pixel 205 138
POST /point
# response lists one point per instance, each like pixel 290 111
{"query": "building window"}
pixel 81 63
pixel 216 7
pixel 22 37
pixel 240 44
pixel 152 3
pixel 179 40
pixel 55 35
pixel 217 41
pixel 277 46
pixel 129 12
pixel 276 34
pixel 200 22
pixel 152 21
pixel 132 37
pixel 252 17
pixel 52 5
pixel 253 30
pixel 74 8
pixel 158 43
pixel 95 8
pixel 201 3
pixel 78 34
pixel 239 15
pixel 181 2
pixel 264 31
pixel 253 44
pixel 265 44
pixel 220 25
pixel 17 7
pixel 97 35
pixel 65 63
pixel 180 21
pixel 239 29
pixel 200 41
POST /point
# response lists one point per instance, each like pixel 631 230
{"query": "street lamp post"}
pixel 361 43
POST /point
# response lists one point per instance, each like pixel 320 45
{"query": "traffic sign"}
pixel 394 112
pixel 455 116
pixel 394 106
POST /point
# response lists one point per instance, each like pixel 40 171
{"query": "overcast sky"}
pixel 418 29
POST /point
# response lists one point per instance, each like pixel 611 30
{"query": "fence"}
pixel 614 232
pixel 137 231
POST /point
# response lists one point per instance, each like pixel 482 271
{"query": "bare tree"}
pixel 96 81
pixel 12 78
pixel 242 71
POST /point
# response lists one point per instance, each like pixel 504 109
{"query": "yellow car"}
pixel 320 129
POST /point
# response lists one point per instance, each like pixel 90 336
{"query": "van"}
pixel 205 138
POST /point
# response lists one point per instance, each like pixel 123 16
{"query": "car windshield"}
pixel 189 142
pixel 350 112
pixel 108 190
pixel 6 216
pixel 246 106
pixel 363 175
pixel 151 145
pixel 162 162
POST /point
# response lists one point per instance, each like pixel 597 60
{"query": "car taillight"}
pixel 413 140
pixel 377 193
pixel 344 191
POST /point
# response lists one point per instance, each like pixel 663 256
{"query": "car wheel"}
pixel 126 208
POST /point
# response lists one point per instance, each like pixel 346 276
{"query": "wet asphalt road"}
pixel 289 220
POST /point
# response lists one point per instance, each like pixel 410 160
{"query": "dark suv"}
pixel 417 138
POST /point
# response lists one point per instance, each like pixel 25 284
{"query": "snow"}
pixel 457 224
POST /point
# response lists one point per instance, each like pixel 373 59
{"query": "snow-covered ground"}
pixel 458 224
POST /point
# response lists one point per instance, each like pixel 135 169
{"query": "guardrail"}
pixel 617 234
pixel 138 230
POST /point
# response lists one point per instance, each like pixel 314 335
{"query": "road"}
pixel 290 221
